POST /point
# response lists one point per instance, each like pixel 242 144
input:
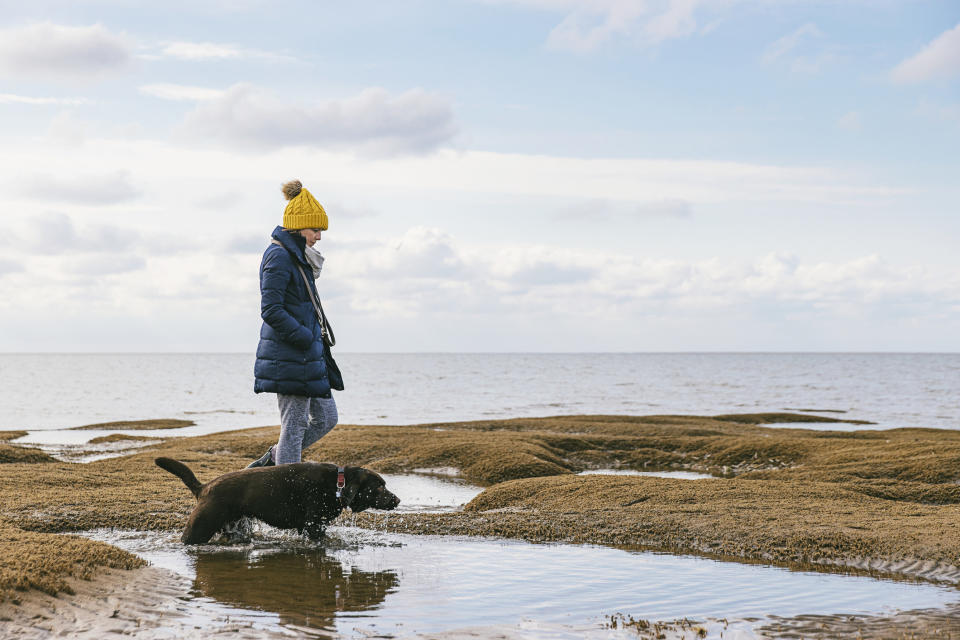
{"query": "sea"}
pixel 49 393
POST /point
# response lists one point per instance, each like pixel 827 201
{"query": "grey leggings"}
pixel 303 421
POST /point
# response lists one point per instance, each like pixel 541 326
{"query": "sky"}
pixel 499 175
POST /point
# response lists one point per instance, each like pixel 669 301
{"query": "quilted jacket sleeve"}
pixel 274 277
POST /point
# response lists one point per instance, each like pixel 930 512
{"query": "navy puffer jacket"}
pixel 290 353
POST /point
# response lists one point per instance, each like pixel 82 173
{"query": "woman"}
pixel 290 358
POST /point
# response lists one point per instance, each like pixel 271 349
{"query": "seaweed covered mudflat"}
pixel 863 501
pixel 156 423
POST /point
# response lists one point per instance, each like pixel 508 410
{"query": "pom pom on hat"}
pixel 303 211
pixel 291 189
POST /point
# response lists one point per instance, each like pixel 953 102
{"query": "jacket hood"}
pixel 292 242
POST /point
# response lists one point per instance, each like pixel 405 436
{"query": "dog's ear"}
pixel 351 490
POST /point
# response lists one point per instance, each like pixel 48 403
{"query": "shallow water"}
pixel 427 493
pixel 85 453
pixel 359 582
pixel 678 475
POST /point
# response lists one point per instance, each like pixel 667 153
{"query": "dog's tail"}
pixel 181 471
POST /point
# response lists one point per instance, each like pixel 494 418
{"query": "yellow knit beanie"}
pixel 303 211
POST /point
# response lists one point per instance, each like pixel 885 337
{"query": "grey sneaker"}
pixel 266 460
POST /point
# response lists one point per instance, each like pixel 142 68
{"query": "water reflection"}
pixel 374 584
pixel 305 587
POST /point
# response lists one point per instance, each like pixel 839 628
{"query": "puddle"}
pixel 421 493
pixel 73 445
pixel 820 426
pixel 438 471
pixel 85 452
pixel 680 475
pixel 54 437
pixel 362 583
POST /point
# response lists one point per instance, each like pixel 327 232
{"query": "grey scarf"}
pixel 314 259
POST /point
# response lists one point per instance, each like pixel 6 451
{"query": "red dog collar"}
pixel 341 481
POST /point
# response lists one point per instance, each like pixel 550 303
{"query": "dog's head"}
pixel 367 490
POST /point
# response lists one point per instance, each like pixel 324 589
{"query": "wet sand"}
pixel 148 603
pixel 859 501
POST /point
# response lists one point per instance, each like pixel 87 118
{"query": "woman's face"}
pixel 311 236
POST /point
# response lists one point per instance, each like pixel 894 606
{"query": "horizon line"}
pixel 691 352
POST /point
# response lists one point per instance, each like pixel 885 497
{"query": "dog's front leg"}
pixel 315 531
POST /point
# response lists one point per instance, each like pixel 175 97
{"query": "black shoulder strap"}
pixel 325 329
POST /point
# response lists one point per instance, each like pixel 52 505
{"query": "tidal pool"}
pixel 361 583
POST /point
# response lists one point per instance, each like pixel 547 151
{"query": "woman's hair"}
pixel 291 189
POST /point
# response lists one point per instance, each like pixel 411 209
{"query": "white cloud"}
pixel 10 98
pixel 9 266
pixel 91 189
pixel 674 20
pixel 179 92
pixel 790 42
pixel 639 180
pixel 586 27
pixel 604 210
pixel 201 51
pixel 222 200
pixel 591 23
pixel 247 243
pixel 349 211
pixel 797 50
pixel 939 59
pixel 209 179
pixel 671 207
pixel 215 51
pixel 64 51
pixel 54 233
pixel 517 269
pixel 374 121
pixel 34 235
pixel 429 271
pixel 99 265
pixel 67 130
pixel 420 253
pixel 429 279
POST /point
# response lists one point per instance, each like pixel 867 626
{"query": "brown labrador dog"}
pixel 300 496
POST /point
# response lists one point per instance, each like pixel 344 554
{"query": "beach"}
pixel 584 320
pixel 863 502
